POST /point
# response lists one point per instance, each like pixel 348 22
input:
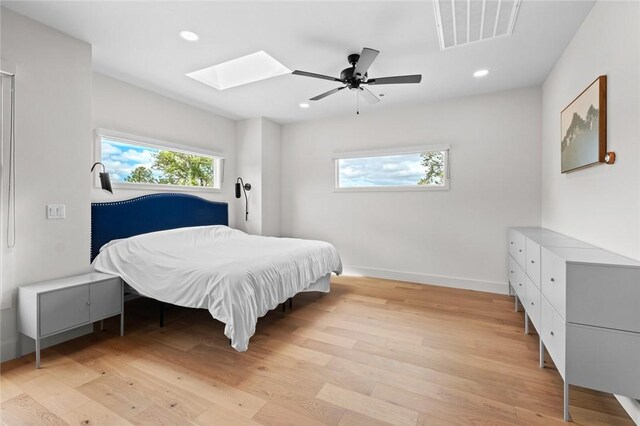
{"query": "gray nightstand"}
pixel 51 307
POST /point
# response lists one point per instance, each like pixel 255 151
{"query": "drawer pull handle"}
pixel 520 250
pixel 532 304
pixel 553 280
pixel 533 261
pixel 511 242
pixel 511 272
pixel 552 333
pixel 520 284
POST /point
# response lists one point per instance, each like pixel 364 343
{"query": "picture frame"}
pixel 583 126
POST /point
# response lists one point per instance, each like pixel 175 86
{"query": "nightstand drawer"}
pixel 63 309
pixel 106 299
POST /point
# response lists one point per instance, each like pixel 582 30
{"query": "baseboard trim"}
pixel 438 280
pixel 9 349
pixel 631 406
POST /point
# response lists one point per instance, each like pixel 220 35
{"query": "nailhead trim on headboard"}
pixel 171 195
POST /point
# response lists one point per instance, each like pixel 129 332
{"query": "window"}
pixel 135 161
pixel 425 167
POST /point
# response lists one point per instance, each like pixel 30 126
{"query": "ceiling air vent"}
pixel 468 21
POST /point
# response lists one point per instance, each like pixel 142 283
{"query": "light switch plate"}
pixel 56 211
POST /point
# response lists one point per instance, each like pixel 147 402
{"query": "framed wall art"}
pixel 584 128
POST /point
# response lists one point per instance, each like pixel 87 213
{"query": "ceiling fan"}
pixel 355 76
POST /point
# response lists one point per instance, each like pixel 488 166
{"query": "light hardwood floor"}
pixel 370 352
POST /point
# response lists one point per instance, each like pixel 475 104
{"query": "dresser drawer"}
pixel 63 309
pixel 532 255
pixel 552 333
pixel 604 297
pixel 517 246
pixel 512 266
pixel 533 304
pixel 520 283
pixel 553 280
pixel 511 243
pixel 603 359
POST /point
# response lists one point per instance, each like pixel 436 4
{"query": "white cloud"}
pixel 142 158
pixel 109 149
pixel 392 170
pixel 121 159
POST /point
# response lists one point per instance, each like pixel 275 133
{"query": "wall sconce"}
pixel 105 179
pixel 245 187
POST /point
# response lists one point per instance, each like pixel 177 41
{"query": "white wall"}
pixel 271 169
pixel 130 109
pixel 53 131
pixel 454 237
pixel 258 159
pixel 600 204
pixel 249 161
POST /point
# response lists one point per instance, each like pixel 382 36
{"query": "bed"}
pixel 178 249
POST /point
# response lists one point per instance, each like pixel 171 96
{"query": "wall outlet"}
pixel 56 211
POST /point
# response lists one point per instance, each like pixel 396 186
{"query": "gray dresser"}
pixel 584 303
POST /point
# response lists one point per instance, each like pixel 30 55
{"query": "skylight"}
pixel 244 70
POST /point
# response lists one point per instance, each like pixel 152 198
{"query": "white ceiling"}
pixel 138 42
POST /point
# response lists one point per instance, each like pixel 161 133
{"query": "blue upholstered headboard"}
pixel 150 213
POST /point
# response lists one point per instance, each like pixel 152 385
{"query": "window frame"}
pixel 416 149
pixel 147 142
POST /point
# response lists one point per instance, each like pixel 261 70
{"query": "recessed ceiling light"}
pixel 189 35
pixel 480 73
pixel 304 105
pixel 247 69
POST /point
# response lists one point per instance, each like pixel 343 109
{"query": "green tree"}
pixel 183 169
pixel 175 168
pixel 433 163
pixel 141 174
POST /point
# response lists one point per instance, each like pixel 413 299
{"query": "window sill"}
pixel 393 188
pixel 162 188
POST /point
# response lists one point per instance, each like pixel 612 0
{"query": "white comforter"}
pixel 236 276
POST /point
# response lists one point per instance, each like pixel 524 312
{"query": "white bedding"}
pixel 236 276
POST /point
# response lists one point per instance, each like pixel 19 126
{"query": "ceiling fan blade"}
pixel 314 75
pixel 366 59
pixel 325 94
pixel 400 79
pixel 368 95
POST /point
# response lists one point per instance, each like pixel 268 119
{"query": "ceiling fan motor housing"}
pixel 350 79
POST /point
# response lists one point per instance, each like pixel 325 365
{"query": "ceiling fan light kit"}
pixel 355 76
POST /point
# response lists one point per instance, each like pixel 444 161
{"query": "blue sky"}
pixel 392 170
pixel 120 158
